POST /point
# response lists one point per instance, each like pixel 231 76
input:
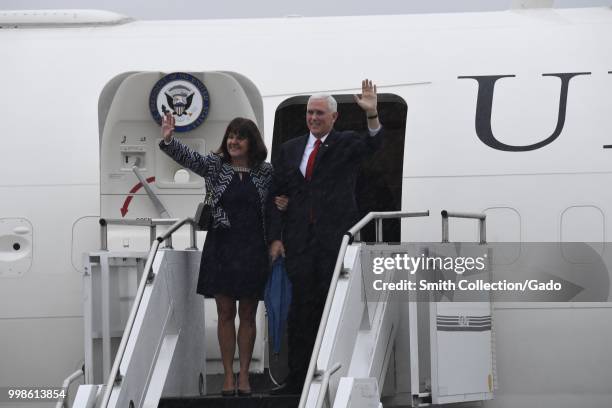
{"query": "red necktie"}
pixel 311 160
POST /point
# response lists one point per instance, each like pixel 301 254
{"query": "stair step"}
pixel 217 401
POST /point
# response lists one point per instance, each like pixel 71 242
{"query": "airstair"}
pixel 371 347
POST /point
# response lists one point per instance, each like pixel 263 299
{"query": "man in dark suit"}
pixel 317 172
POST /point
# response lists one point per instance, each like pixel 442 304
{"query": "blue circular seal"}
pixel 182 94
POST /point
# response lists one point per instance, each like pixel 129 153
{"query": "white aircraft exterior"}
pixel 537 166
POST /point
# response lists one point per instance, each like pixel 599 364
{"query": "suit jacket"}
pixel 217 175
pixel 329 196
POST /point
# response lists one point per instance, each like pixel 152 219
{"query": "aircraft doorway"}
pixel 130 110
pixel 379 185
pixel 137 181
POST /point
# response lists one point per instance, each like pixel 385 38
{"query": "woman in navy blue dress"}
pixel 234 263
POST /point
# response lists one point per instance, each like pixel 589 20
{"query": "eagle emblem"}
pixel 179 99
pixel 182 94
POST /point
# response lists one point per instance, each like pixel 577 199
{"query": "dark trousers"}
pixel 310 272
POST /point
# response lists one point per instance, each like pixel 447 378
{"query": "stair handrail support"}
pixel 61 402
pixel 482 224
pixel 347 239
pixel 147 278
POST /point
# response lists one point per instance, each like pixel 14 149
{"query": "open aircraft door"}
pixel 138 182
pixel 130 110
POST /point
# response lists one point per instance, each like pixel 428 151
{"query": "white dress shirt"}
pixel 310 147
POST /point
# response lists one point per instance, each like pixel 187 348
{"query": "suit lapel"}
pixel 295 153
pixel 298 152
pixel 329 142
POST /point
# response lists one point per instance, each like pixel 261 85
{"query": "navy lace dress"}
pixel 235 259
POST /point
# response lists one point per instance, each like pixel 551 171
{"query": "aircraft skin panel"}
pixel 566 351
pixel 525 111
pixel 539 200
pixel 52 280
pixel 412 55
pixel 35 351
pixel 564 345
pixel 50 155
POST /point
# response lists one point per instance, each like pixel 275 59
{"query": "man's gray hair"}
pixel 331 102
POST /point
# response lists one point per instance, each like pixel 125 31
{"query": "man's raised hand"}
pixel 368 100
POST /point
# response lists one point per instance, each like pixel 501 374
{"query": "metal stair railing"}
pixel 482 223
pixel 152 223
pixel 325 384
pixel 147 277
pixel 62 400
pixel 347 239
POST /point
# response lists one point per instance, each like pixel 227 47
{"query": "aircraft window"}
pixel 582 224
pixel 503 224
pixel 379 185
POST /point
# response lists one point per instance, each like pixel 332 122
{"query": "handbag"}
pixel 203 216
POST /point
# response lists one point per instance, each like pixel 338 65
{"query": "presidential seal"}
pixel 182 94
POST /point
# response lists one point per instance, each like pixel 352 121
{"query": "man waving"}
pixel 318 172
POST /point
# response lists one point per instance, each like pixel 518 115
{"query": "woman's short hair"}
pixel 246 128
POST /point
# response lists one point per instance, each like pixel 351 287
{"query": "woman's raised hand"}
pixel 167 127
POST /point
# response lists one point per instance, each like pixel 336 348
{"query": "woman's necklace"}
pixel 241 169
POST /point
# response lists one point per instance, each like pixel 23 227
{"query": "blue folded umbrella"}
pixel 277 298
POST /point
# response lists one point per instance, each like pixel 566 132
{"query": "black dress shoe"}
pixel 244 393
pixel 286 389
pixel 228 393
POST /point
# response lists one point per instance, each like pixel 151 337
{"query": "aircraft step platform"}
pixel 217 401
pixel 162 360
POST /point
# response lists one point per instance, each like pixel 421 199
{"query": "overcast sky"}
pixel 203 9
